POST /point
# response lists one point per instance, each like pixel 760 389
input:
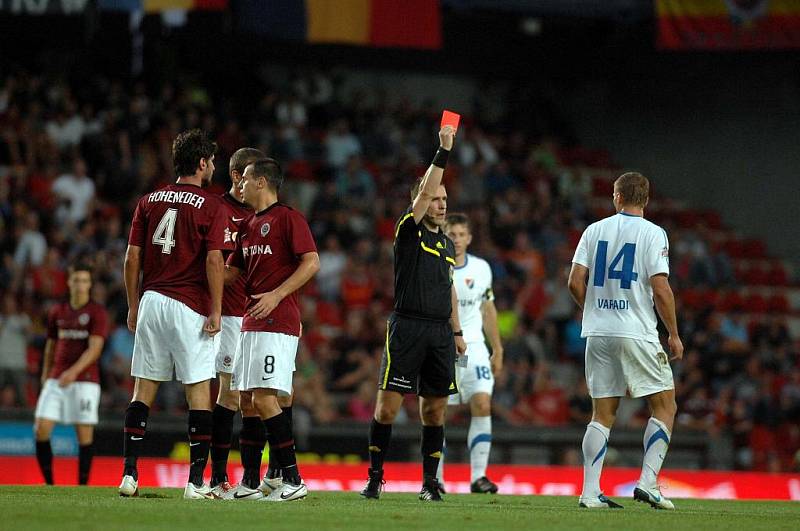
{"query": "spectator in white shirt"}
pixel 76 190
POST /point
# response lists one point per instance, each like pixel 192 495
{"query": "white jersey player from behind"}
pixel 619 272
pixel 472 278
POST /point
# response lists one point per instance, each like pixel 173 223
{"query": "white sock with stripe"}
pixel 479 441
pixel 656 443
pixel 595 444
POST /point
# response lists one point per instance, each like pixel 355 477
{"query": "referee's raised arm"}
pixel 433 177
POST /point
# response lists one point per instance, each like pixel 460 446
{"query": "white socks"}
pixel 479 441
pixel 595 444
pixel 656 443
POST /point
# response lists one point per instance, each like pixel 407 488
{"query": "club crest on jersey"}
pixel 470 282
pixel 83 319
pixel 264 229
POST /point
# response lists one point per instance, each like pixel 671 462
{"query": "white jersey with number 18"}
pixel 622 253
pixel 473 282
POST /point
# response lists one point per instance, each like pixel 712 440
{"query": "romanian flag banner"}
pixel 382 23
pixel 728 24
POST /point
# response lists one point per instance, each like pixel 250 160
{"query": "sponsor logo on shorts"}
pixel 226 361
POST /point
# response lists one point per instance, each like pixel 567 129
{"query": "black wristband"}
pixel 460 333
pixel 440 159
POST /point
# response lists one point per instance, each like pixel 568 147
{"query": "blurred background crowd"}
pixel 75 154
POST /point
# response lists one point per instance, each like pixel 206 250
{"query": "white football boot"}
pixel 243 492
pixel 653 497
pixel 197 492
pixel 288 492
pixel 599 502
pixel 221 490
pixel 269 485
pixel 129 487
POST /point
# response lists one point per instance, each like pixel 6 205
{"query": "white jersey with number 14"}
pixel 622 253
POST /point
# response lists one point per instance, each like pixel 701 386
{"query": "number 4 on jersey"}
pixel 164 233
pixel 625 275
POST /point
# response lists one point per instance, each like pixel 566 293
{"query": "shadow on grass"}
pixel 154 495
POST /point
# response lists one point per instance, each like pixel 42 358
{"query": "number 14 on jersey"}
pixel 625 275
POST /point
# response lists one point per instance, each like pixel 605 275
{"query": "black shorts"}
pixel 419 357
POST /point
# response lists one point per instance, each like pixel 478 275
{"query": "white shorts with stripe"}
pixel 227 342
pixel 615 365
pixel 264 360
pixel 76 403
pixel 476 377
pixel 170 335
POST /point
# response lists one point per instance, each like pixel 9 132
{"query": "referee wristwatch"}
pixel 459 333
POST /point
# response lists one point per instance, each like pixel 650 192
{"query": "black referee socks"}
pixel 199 441
pixel 379 437
pixel 221 434
pixel 135 427
pixel 432 444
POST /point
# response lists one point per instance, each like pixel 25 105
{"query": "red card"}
pixel 450 118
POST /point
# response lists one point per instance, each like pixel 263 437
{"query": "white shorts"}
pixel 264 360
pixel 169 335
pixel 227 341
pixel 476 377
pixel 76 403
pixel 617 364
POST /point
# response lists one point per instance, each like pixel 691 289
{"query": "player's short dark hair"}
pixel 634 188
pixel 80 266
pixel 271 170
pixel 244 156
pixel 187 150
pixel 457 218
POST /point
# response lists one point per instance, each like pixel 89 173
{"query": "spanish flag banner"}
pixel 383 23
pixel 728 24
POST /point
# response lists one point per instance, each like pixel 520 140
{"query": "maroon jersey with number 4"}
pixel 268 251
pixel 234 299
pixel 176 226
pixel 70 329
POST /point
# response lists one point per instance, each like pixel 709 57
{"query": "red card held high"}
pixel 450 118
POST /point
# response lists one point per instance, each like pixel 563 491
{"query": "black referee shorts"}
pixel 419 357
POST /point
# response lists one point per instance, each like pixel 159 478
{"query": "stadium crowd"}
pixel 73 157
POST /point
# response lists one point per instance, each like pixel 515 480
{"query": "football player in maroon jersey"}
pixel 76 331
pixel 176 242
pixel 277 253
pixel 234 302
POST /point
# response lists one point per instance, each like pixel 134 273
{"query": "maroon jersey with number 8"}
pixel 268 252
pixel 176 226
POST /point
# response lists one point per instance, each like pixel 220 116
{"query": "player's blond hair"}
pixel 634 189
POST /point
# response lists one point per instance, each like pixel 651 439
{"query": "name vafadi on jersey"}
pixel 613 304
pixel 622 253
pixel 173 196
pixel 252 250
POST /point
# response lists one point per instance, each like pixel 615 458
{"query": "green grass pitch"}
pixel 66 508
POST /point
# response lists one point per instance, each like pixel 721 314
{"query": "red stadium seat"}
pixel 778 303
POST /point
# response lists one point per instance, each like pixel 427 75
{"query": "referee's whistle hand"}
pixel 461 346
pixel 266 303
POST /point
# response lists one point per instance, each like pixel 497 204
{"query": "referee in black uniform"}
pixel 423 333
